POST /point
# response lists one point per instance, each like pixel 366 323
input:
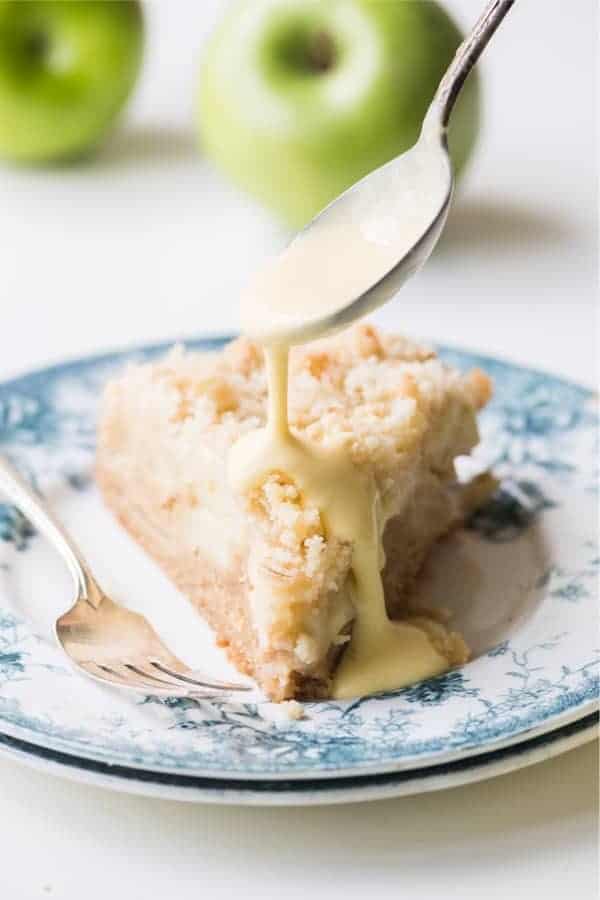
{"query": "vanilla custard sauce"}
pixel 289 299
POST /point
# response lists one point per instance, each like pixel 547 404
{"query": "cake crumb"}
pixel 366 342
pixel 477 491
pixel 479 386
pixel 244 356
pixel 286 711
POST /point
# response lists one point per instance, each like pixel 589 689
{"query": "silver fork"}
pixel 102 639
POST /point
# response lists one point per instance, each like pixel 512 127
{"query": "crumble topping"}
pixel 369 391
pixel 293 550
pixel 388 400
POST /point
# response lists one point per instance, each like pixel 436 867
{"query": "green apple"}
pixel 299 99
pixel 66 69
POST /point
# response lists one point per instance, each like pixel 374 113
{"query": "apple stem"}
pixel 321 51
pixel 36 45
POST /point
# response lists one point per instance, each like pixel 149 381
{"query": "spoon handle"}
pixel 464 59
pixel 16 489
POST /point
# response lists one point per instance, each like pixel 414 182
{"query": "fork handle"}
pixel 464 59
pixel 19 492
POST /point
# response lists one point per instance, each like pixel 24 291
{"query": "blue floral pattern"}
pixel 539 434
pixel 12 659
pixel 14 527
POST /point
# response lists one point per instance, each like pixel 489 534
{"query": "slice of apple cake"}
pixel 263 570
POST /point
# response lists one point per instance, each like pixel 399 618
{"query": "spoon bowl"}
pixel 355 255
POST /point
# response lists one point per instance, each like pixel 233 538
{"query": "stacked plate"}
pixel 520 580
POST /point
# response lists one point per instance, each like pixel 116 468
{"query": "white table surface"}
pixel 147 243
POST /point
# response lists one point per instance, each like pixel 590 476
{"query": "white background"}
pixel 147 242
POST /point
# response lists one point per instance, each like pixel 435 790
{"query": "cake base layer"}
pixel 219 595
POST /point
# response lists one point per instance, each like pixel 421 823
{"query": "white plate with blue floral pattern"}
pixel 521 579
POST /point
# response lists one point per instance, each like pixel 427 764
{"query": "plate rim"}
pixel 409 764
pixel 549 724
pixel 316 792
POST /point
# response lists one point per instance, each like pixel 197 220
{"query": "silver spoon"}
pixel 354 256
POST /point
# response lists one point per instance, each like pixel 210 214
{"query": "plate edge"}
pixel 316 792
